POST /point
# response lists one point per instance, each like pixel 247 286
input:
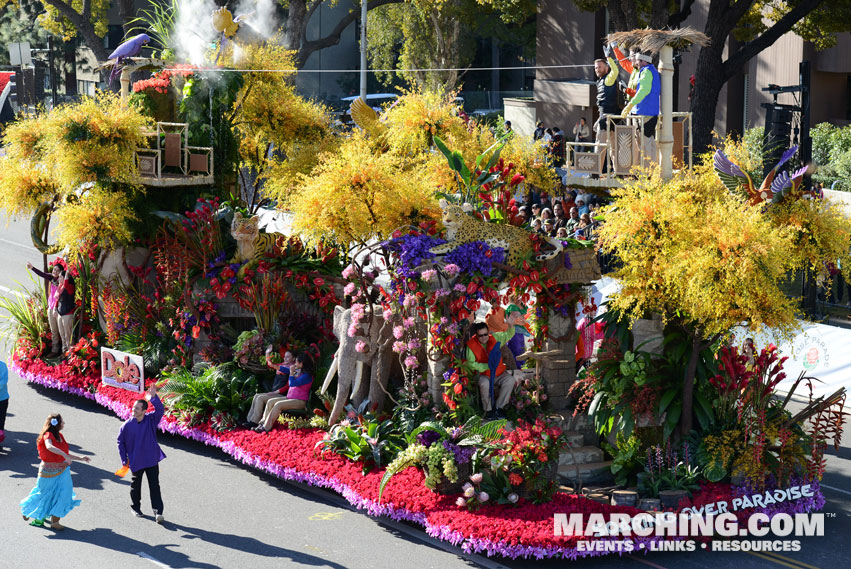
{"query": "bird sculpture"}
pixel 775 187
pixel 366 118
pixel 224 23
pixel 128 49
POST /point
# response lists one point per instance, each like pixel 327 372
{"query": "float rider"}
pixel 607 93
pixel 645 103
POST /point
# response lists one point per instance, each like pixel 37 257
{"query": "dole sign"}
pixel 120 369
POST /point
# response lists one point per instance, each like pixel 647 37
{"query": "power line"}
pixel 429 70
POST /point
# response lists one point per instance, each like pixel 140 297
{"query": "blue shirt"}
pixel 4 381
pixel 137 440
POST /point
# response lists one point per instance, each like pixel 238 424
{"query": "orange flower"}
pixel 515 479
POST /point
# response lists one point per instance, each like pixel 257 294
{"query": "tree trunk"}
pixel 708 81
pixel 85 30
pixel 295 27
pixel 688 387
pixel 126 13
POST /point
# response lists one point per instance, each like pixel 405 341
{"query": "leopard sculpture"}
pixel 463 228
pixel 251 245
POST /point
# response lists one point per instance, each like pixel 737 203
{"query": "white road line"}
pixel 16 244
pixel 153 560
pixel 7 290
pixel 835 489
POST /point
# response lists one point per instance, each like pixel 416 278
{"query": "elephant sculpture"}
pixel 349 364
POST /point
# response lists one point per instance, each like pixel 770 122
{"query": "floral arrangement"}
pixel 530 454
pixel 287 454
pixel 84 356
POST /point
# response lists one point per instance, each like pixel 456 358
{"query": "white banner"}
pixel 120 369
pixel 818 350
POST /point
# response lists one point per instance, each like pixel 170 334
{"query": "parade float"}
pixel 403 232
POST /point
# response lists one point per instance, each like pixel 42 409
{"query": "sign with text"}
pixel 120 369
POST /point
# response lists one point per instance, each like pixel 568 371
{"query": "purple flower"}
pixel 412 250
pixel 428 438
pixel 473 257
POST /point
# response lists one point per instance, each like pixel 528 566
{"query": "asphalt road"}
pixel 219 514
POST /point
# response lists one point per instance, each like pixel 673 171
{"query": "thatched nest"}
pixel 652 41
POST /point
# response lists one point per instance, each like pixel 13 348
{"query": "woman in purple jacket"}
pixel 137 445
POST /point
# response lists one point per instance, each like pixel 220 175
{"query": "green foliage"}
pixel 372 443
pixel 628 460
pixel 155 348
pixel 223 389
pixel 207 107
pixel 666 469
pixel 832 155
pixel 26 313
pixel 158 21
pixel 18 24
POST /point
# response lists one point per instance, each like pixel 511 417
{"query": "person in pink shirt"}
pixel 60 324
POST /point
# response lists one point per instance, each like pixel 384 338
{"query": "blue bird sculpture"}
pixel 130 48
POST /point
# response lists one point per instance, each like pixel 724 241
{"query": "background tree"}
pixel 429 34
pixel 18 24
pixel 754 25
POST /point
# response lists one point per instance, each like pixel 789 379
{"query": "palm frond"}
pixel 653 41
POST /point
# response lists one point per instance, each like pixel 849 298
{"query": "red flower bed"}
pixel 522 531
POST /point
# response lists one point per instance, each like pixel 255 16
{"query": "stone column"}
pixel 559 372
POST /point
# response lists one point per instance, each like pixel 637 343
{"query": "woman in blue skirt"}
pixel 53 496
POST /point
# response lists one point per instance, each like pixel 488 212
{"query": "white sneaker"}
pixel 160 519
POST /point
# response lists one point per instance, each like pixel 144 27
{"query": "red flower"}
pixel 515 479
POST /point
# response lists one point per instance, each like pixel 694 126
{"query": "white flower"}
pixel 483 497
pixel 470 492
pixel 513 498
pixel 466 487
pixel 460 502
pixel 476 478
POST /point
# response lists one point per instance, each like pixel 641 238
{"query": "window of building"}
pixel 746 101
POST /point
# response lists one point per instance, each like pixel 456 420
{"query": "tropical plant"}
pixel 158 21
pixel 76 162
pixel 706 261
pixel 371 442
pixel 26 313
pixel 224 389
pixel 665 471
pixel 627 459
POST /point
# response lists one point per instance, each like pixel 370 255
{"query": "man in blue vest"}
pixel 646 102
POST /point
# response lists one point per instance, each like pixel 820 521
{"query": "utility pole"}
pixel 363 7
pixel 52 70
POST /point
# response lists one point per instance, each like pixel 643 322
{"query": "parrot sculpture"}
pixel 128 49
pixel 774 187
pixel 224 23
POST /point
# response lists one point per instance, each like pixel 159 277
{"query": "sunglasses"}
pixel 483 335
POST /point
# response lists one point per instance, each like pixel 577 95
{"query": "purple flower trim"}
pixel 469 544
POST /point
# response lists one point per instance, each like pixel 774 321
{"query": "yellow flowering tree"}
pixel 355 195
pixel 76 162
pixel 399 149
pixel 280 133
pixel 707 261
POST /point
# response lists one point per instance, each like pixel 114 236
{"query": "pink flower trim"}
pixel 288 455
